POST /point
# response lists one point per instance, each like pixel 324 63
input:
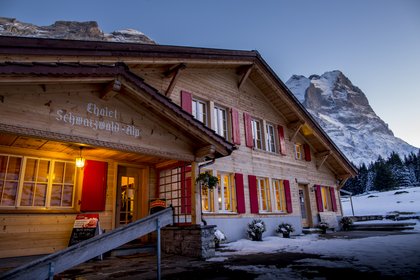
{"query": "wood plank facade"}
pixel 154 117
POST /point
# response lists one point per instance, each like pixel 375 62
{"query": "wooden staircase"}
pixel 46 267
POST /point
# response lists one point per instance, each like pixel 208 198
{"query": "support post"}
pixel 158 249
pixel 195 196
pixel 51 271
pixel 351 203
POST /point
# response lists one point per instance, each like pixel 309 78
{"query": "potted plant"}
pixel 346 223
pixel 323 226
pixel 285 229
pixel 219 237
pixel 207 181
pixel 256 229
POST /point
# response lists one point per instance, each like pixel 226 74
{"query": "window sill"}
pixel 38 211
pixel 220 213
pixel 273 213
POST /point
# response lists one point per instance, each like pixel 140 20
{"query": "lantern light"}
pixel 80 161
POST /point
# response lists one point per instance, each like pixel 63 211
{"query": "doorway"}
pixel 132 195
pixel 305 208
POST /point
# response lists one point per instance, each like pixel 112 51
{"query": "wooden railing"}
pixel 46 267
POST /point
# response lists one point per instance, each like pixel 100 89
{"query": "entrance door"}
pixel 304 206
pixel 131 196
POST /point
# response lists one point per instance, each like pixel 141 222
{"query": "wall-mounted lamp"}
pixel 80 161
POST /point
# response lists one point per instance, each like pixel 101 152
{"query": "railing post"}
pixel 51 271
pixel 158 249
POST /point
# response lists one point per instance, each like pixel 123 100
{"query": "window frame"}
pixel 204 114
pixel 257 133
pixel 326 199
pixel 21 181
pixel 217 122
pixel 280 204
pixel 267 195
pixel 299 152
pixel 271 139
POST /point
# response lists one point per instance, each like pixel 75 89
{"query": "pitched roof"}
pixel 89 51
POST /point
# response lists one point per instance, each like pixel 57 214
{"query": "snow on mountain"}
pixel 71 30
pixel 343 111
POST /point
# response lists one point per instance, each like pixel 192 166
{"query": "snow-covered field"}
pixel 391 255
pixel 381 203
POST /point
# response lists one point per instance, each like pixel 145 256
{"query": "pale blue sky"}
pixel 376 43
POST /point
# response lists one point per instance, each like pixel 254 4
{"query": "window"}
pixel 207 200
pixel 280 198
pixel 298 151
pixel 175 188
pixel 271 139
pixel 220 121
pixel 257 134
pixel 326 199
pixel 223 198
pixel 226 193
pixel 35 182
pixel 263 195
pixel 199 110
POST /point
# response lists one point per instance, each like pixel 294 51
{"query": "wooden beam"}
pixel 321 158
pixel 112 89
pixel 294 129
pixel 175 73
pixel 245 76
pixel 205 152
pixel 174 69
pixel 343 179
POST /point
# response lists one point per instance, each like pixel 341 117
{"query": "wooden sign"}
pixel 85 226
pixel 156 205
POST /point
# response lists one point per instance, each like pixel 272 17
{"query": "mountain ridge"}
pixel 344 112
pixel 70 30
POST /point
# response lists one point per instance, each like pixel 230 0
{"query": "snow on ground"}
pixel 392 255
pixel 381 203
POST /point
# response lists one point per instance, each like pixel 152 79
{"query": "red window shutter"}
pixel 319 198
pixel 240 196
pixel 281 140
pixel 288 195
pixel 94 186
pixel 185 190
pixel 253 193
pixel 248 130
pixel 333 202
pixel 236 136
pixel 186 101
pixel 307 151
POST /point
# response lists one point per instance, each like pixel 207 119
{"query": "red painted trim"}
pixel 253 193
pixel 319 198
pixel 333 202
pixel 282 142
pixel 236 136
pixel 185 190
pixel 248 130
pixel 94 186
pixel 288 195
pixel 240 195
pixel 307 151
pixel 186 101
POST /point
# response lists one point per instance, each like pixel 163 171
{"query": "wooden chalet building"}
pixel 148 119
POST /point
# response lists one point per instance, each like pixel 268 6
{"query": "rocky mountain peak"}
pixel 70 30
pixel 343 111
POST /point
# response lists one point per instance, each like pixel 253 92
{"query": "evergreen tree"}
pixel 384 179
